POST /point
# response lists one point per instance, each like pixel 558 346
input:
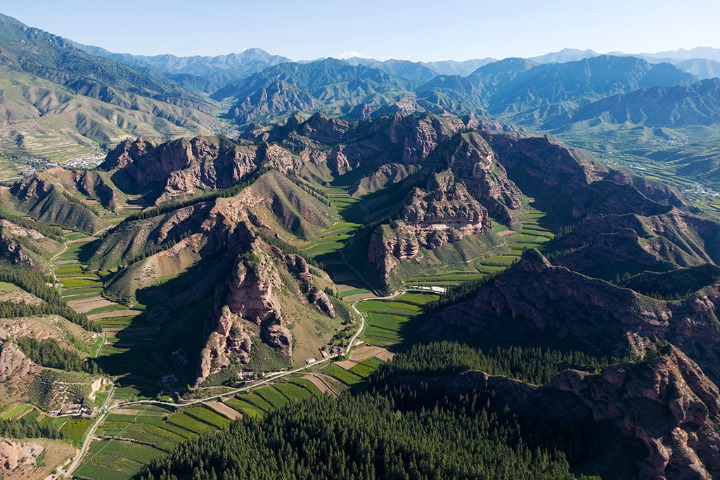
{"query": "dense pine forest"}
pixel 36 284
pixel 410 430
pixel 28 428
pixel 48 353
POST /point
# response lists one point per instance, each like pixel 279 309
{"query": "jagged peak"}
pixel 533 261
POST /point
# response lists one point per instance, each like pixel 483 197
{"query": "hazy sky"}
pixel 416 30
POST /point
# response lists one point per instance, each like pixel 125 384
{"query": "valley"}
pixel 245 266
pixel 313 280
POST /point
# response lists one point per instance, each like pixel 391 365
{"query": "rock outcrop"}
pixel 14 454
pixel 249 306
pixel 127 152
pixel 13 252
pixel 247 295
pixel 473 161
pixel 181 167
pixel 666 405
pixel 13 362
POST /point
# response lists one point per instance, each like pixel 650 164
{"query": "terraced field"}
pixel 136 434
pixel 17 411
pixel 385 318
pixel 327 247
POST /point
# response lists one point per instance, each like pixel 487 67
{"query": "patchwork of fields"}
pixel 133 435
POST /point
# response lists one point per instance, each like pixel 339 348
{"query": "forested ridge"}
pixel 413 430
pixel 36 284
pixel 48 353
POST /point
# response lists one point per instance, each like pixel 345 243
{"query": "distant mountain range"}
pixel 517 89
pixel 60 102
pixel 58 93
pixel 696 104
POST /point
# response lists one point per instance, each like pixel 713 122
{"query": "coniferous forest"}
pixel 399 429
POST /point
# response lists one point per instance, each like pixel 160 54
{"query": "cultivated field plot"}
pixel 17 411
pixel 115 459
pixel 134 435
pixel 137 436
pixel 385 318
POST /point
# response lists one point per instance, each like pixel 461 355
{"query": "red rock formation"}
pixel 666 405
pixel 126 153
pixel 14 454
pixel 13 362
pixel 681 435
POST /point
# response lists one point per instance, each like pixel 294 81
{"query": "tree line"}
pixel 48 353
pixel 397 429
pixel 49 231
pixel 25 427
pixel 176 204
pixel 36 284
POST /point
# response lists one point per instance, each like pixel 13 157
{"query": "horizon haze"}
pixel 518 28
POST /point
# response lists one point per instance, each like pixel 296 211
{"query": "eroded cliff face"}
pixel 666 405
pixel 88 183
pixel 456 202
pixel 14 363
pixel 11 250
pixel 14 454
pixel 444 213
pixel 127 152
pixel 248 308
pixel 245 307
pixel 182 167
pixel 473 161
pixel 31 188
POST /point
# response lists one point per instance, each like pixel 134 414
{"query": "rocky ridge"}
pixel 665 404
pixel 248 308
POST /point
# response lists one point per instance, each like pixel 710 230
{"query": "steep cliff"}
pixel 664 404
pixel 249 307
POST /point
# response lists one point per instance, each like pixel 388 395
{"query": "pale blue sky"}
pixel 417 29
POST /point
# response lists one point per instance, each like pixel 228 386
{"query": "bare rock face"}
pixel 126 153
pixel 388 245
pixel 668 404
pixel 13 252
pixel 248 296
pixel 321 301
pixel 228 340
pixel 31 188
pixel 449 206
pixel 423 139
pixel 609 198
pixel 14 454
pixel 444 213
pixel 182 166
pixel 322 129
pixel 13 362
pixel 471 159
pixel 300 269
pixel 91 184
pixel 538 164
pixel 251 288
pixel 558 305
pixel 652 189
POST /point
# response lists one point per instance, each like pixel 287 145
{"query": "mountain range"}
pixel 357 268
pixel 84 98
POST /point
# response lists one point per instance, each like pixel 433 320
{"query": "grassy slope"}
pixel 54 123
